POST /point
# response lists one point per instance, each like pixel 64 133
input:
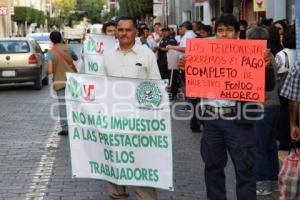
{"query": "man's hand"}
pixel 170 47
pixel 295 133
pixel 268 58
pixel 168 88
pixel 181 63
pixel 294 109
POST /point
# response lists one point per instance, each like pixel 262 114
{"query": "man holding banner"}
pixel 130 60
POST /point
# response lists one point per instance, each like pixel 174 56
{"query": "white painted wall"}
pixel 207 12
pixel 276 9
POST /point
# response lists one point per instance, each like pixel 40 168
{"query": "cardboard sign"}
pixel 120 130
pixel 94 47
pixel 226 69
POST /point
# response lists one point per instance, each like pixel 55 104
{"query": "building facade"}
pixel 8 27
pixel 178 11
pixel 275 9
pixel 204 10
pixel 5 19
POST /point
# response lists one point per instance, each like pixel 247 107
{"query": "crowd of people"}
pixel 251 144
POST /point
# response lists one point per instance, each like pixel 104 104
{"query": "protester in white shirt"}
pixel 186 29
pixel 130 60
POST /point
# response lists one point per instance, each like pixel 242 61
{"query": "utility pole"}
pixel 165 12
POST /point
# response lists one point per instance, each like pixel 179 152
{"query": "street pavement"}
pixel 35 161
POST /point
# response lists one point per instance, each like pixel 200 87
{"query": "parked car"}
pixel 43 39
pixel 22 60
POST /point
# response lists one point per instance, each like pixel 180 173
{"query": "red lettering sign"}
pixel 226 69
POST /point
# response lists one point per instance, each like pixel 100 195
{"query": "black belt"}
pixel 221 110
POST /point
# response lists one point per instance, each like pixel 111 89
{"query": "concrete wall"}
pixel 276 9
pixel 178 8
pixel 290 9
pixel 5 20
pixel 207 12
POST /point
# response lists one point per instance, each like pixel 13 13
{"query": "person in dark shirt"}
pixel 162 52
pixel 162 61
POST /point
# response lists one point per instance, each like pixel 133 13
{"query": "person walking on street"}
pixel 130 60
pixel 60 60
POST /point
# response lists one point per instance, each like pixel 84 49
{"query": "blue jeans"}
pixel 266 163
pixel 62 109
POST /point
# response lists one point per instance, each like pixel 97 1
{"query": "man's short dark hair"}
pixel 243 23
pixel 146 28
pixel 228 20
pixel 107 24
pixel 157 23
pixel 55 37
pixel 187 24
pixel 257 33
pixel 206 28
pixel 128 19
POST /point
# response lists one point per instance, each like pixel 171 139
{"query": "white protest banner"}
pixel 120 130
pixel 94 47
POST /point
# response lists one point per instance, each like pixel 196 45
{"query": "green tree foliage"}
pixel 54 21
pixel 138 9
pixel 108 16
pixel 22 14
pixel 40 18
pixel 65 6
pixel 93 9
pixel 30 15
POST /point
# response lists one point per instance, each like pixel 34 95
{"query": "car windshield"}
pixel 40 38
pixel 14 47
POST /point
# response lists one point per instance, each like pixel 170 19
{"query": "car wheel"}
pixel 45 81
pixel 38 82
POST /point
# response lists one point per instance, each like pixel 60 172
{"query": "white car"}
pixel 43 39
pixel 22 60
